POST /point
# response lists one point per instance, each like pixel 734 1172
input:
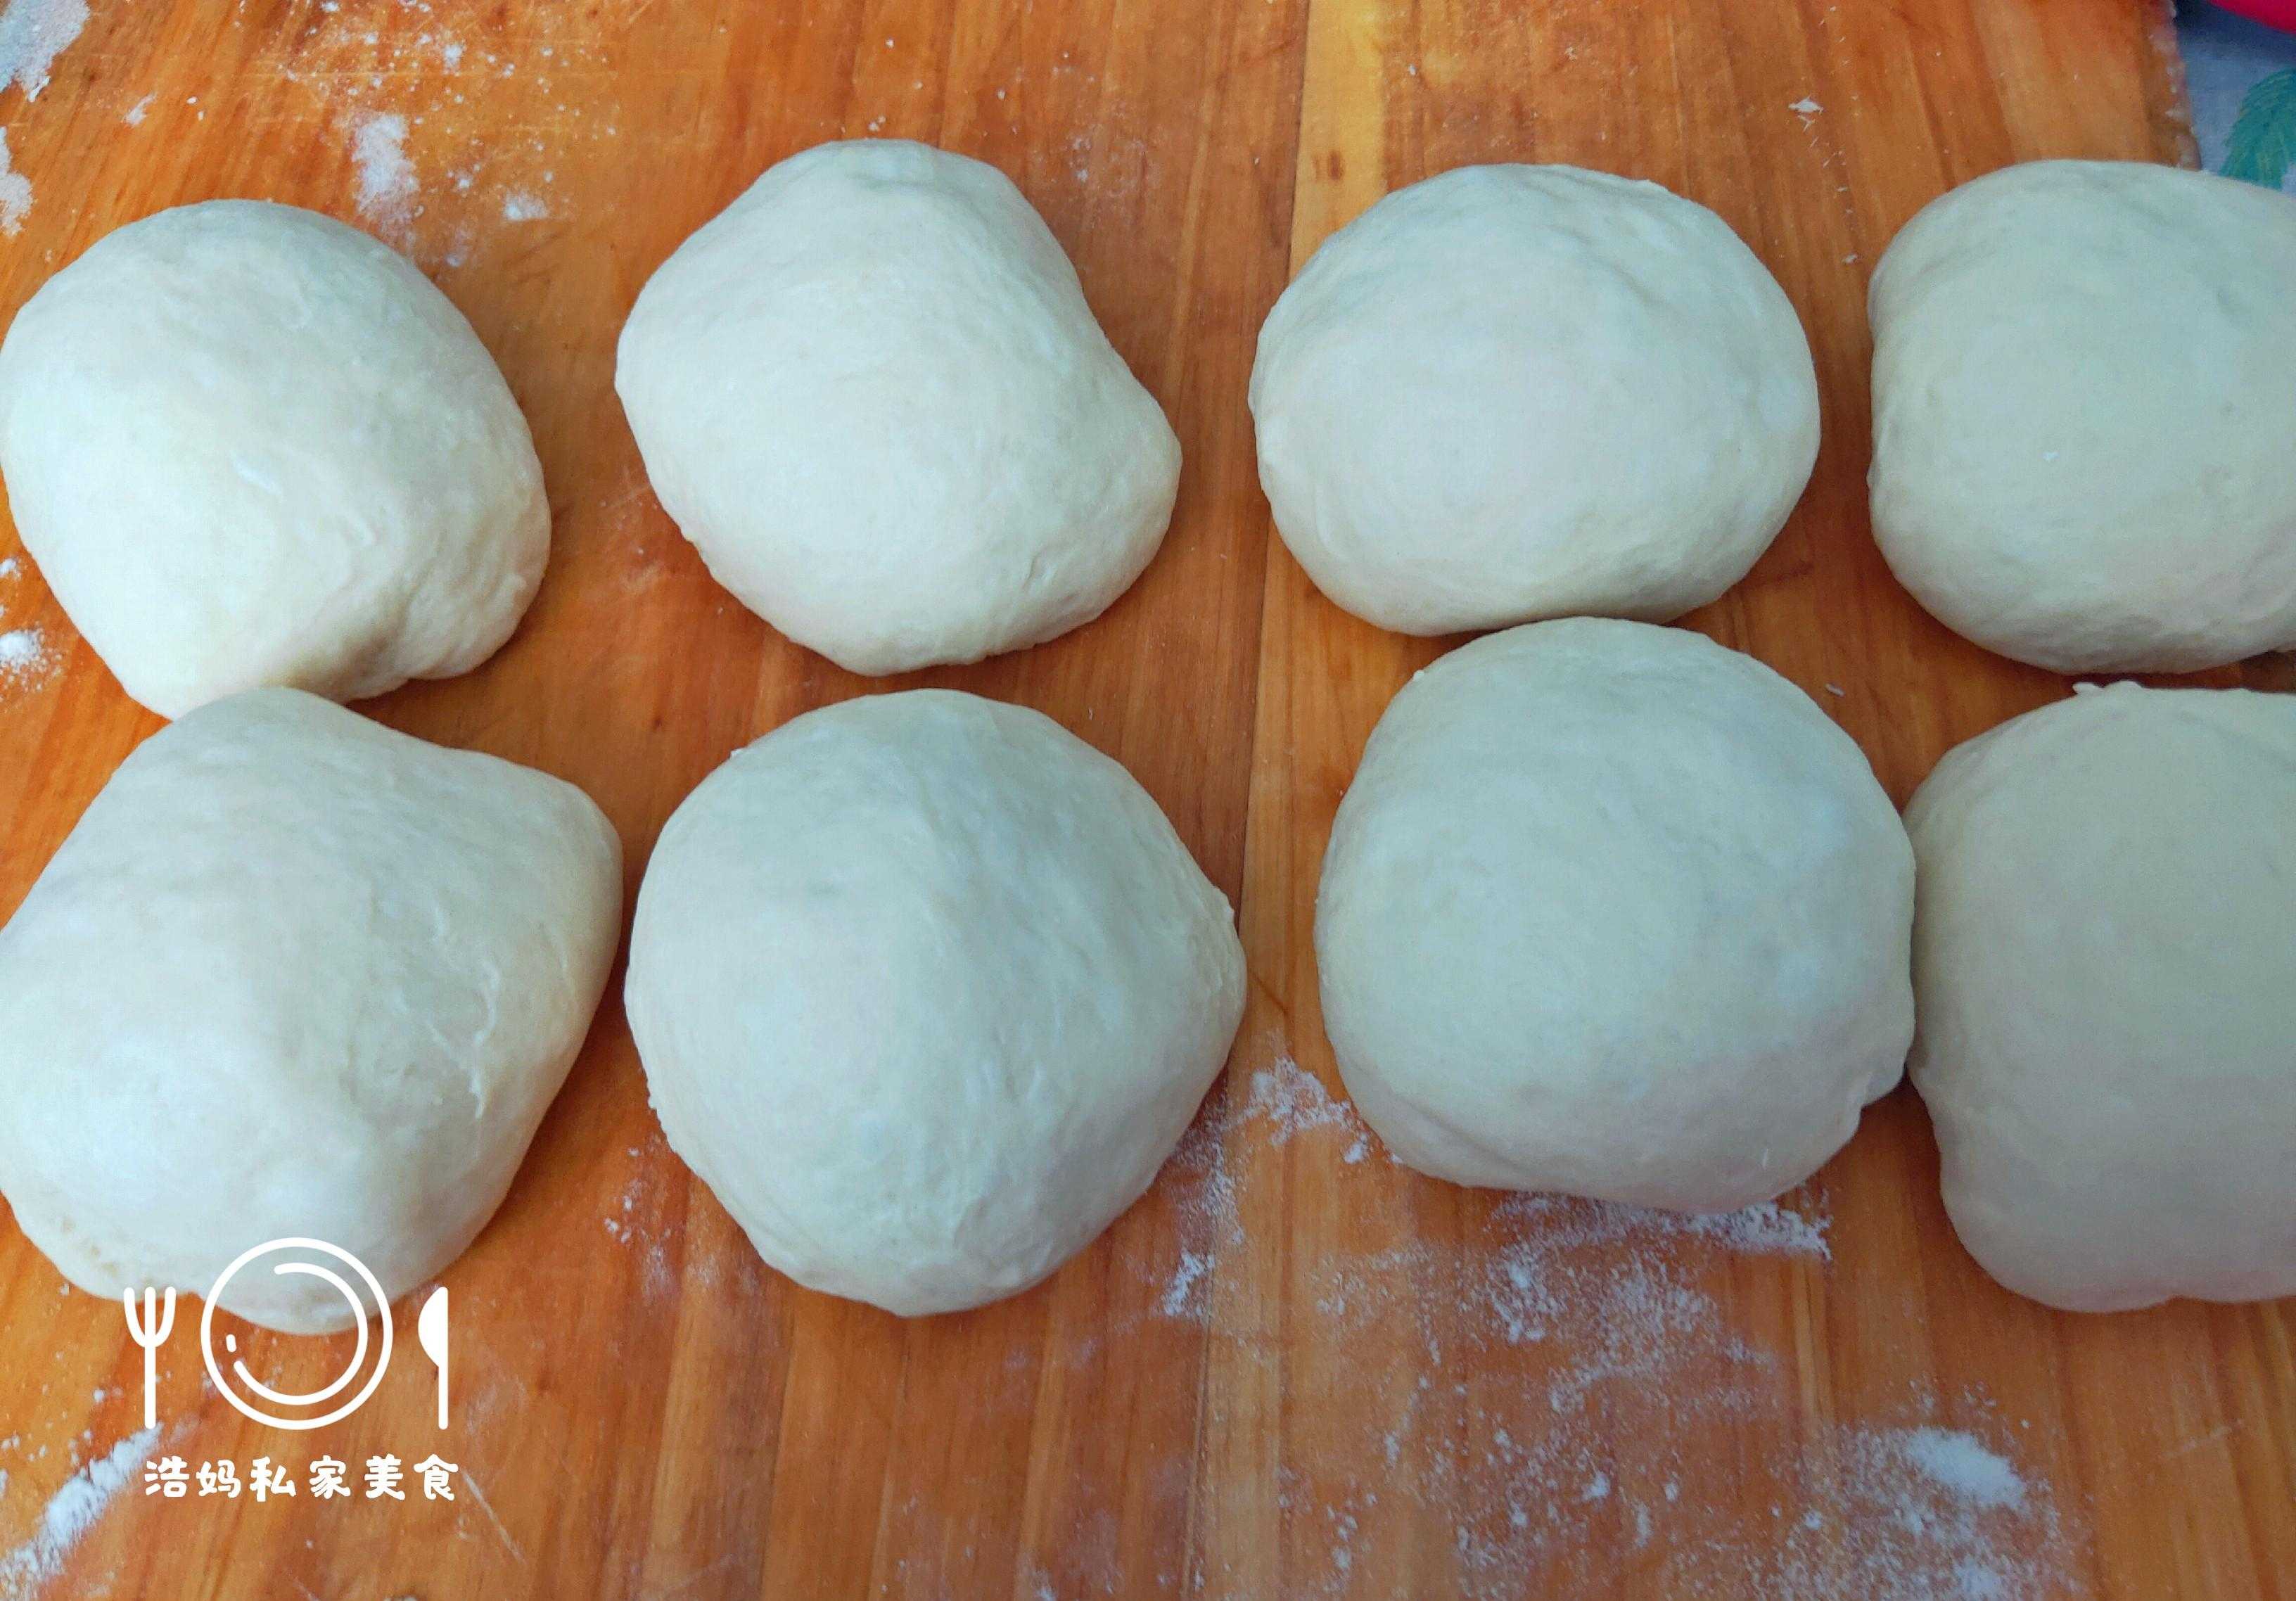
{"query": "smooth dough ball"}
pixel 294 974
pixel 2084 378
pixel 926 988
pixel 872 394
pixel 250 446
pixel 2102 955
pixel 1612 910
pixel 1514 392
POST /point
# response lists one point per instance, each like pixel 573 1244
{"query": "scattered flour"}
pixel 23 656
pixel 659 1279
pixel 1183 1283
pixel 1805 108
pixel 1537 1386
pixel 134 117
pixel 71 1512
pixel 9 568
pixel 32 34
pixel 1768 1229
pixel 1921 1513
pixel 1962 1464
pixel 424 111
pixel 1294 1101
pixel 1285 1099
pixel 387 186
pixel 15 192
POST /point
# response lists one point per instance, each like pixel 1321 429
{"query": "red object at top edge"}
pixel 2278 14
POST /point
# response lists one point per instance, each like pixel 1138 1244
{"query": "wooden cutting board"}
pixel 1294 1369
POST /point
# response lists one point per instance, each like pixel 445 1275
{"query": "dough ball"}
pixel 2084 376
pixel 872 394
pixel 247 444
pixel 1514 392
pixel 1612 910
pixel 294 973
pixel 926 988
pixel 2107 995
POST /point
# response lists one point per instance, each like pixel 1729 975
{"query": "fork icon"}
pixel 151 1332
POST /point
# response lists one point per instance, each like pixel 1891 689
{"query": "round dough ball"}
pixel 247 444
pixel 926 988
pixel 2084 373
pixel 294 974
pixel 872 394
pixel 1612 910
pixel 2107 995
pixel 1514 392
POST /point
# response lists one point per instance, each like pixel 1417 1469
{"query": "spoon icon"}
pixel 430 1334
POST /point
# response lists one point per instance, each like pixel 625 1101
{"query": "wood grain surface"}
pixel 1294 1369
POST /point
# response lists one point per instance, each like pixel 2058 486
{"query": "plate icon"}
pixel 253 1397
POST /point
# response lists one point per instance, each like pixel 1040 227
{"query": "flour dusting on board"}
pixel 426 111
pixel 71 1512
pixel 387 186
pixel 26 660
pixel 1285 1100
pixel 1293 1100
pixel 32 34
pixel 1922 1514
pixel 632 1221
pixel 15 192
pixel 1534 1385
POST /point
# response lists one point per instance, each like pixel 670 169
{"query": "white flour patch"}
pixel 387 186
pixel 25 659
pixel 1768 1229
pixel 32 34
pixel 1294 1101
pixel 1182 1286
pixel 9 568
pixel 1536 1379
pixel 436 177
pixel 1286 1101
pixel 1960 1464
pixel 1204 1196
pixel 71 1512
pixel 15 192
pixel 1921 1513
pixel 624 1227
pixel 134 116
